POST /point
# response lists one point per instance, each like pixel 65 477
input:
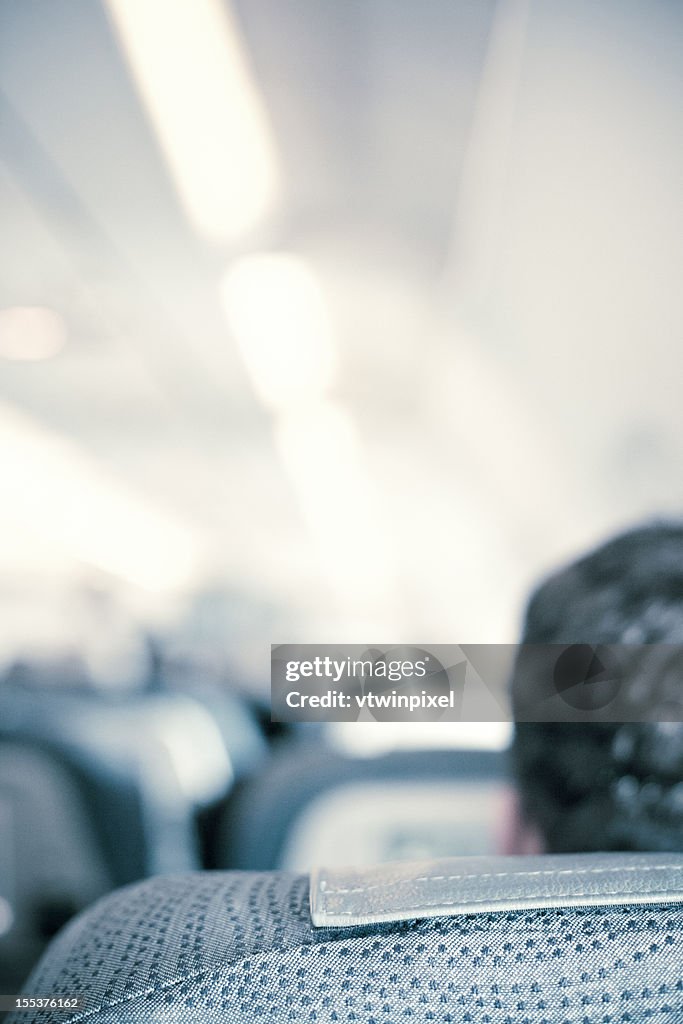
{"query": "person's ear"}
pixel 517 835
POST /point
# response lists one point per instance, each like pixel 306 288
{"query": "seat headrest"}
pixel 480 885
pixel 241 947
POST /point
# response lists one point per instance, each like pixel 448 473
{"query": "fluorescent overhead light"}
pixel 277 314
pixel 322 455
pixel 57 493
pixel 190 67
pixel 31 333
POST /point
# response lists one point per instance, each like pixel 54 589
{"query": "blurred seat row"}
pixel 100 790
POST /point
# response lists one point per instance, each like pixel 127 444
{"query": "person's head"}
pixel 609 786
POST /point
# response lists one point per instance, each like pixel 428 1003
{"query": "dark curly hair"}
pixel 610 786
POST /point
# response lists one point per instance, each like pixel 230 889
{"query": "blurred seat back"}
pixel 311 804
pixel 97 790
pixel 51 863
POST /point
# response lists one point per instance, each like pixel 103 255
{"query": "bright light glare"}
pixel 322 455
pixel 366 739
pixel 189 64
pixel 31 333
pixel 56 492
pixel 277 314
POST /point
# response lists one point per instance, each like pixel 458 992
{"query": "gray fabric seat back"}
pixel 514 941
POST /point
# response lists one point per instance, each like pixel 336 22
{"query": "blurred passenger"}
pixel 608 786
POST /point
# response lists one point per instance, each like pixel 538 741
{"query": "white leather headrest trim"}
pixel 479 885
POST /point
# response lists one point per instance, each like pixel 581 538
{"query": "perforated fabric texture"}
pixel 239 948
